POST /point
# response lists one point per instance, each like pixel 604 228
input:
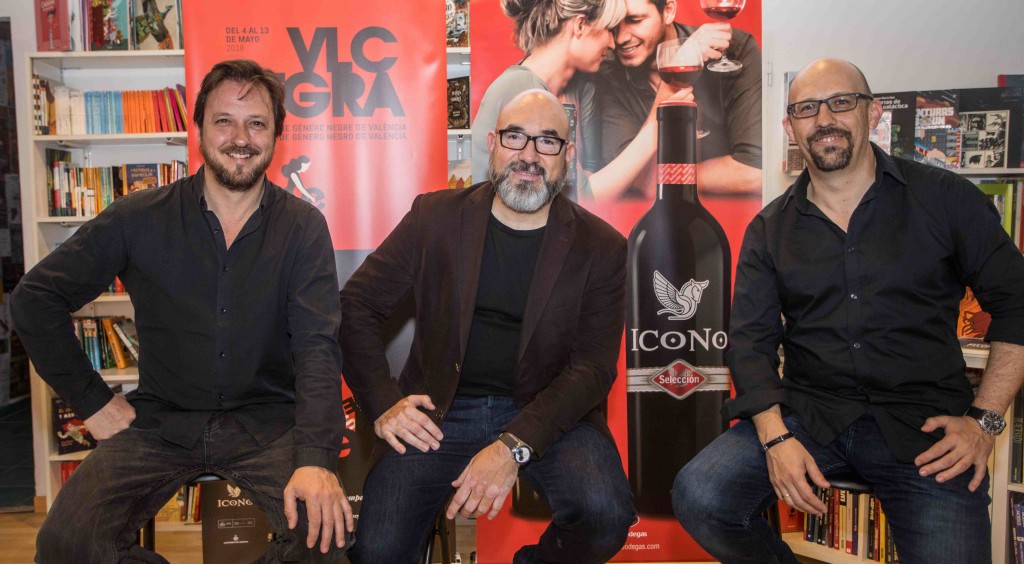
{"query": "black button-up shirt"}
pixel 251 329
pixel 868 317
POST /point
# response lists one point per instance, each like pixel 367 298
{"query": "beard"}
pixel 523 196
pixel 240 179
pixel 831 158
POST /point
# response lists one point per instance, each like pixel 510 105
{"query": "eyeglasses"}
pixel 836 104
pixel 517 140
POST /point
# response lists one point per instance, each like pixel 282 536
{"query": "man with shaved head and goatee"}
pixel 857 271
pixel 519 310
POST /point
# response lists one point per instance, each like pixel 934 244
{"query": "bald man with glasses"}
pixel 857 271
pixel 519 312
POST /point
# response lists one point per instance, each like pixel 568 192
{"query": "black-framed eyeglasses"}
pixel 517 140
pixel 836 104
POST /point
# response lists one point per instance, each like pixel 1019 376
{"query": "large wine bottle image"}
pixel 678 292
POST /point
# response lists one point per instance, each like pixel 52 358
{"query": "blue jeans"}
pixel 720 495
pixel 128 478
pixel 580 477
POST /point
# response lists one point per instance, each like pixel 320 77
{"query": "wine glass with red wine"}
pixel 679 64
pixel 723 11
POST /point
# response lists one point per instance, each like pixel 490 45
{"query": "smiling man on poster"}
pixel 729 102
pixel 235 293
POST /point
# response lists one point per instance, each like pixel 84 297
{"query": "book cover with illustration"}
pixel 458 103
pixel 69 431
pixel 938 147
pixel 901 119
pixel 107 25
pixel 456 15
pixel 1007 122
pixel 985 139
pixel 156 24
pixel 53 31
pixel 141 176
pixel 935 114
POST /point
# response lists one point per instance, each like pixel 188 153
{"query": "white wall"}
pixel 899 44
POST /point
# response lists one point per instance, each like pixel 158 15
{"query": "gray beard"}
pixel 522 197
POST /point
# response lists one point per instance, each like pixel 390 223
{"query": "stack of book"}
pixel 107 25
pixel 60 110
pixel 76 191
pixel 109 342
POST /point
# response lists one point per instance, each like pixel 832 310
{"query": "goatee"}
pixel 831 158
pixel 239 179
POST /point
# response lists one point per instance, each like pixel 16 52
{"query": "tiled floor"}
pixel 16 481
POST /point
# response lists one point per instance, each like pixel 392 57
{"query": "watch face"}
pixel 521 455
pixel 992 423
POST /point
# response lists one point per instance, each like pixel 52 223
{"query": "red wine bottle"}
pixel 678 287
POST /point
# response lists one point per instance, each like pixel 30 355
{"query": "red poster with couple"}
pixel 657 537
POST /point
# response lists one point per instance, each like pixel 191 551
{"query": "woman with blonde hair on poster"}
pixel 563 40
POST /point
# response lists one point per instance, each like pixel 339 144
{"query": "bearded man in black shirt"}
pixel 857 271
pixel 235 293
pixel 519 311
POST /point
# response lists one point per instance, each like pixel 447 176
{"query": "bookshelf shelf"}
pixel 80 455
pixel 113 298
pixel 87 71
pixel 816 551
pixel 79 141
pixel 114 376
pixel 460 131
pixel 111 60
pixel 1013 487
pixel 975 358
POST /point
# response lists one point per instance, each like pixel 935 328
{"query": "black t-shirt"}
pixel 505 274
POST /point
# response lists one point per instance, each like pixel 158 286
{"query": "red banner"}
pixel 365 95
pixel 654 538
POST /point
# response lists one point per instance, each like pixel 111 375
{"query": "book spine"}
pixel 115 343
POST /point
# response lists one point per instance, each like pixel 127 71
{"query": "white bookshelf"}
pixel 91 70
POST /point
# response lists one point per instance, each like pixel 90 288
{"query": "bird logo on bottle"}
pixel 680 303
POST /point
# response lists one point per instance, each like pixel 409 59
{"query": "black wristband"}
pixel 776 441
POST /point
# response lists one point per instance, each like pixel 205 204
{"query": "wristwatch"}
pixel 521 452
pixel 991 422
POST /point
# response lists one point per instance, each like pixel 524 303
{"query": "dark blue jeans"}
pixel 580 477
pixel 130 476
pixel 720 495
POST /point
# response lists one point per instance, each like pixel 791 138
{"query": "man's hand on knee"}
pixel 789 467
pixel 405 421
pixel 327 508
pixel 484 483
pixel 111 419
pixel 963 446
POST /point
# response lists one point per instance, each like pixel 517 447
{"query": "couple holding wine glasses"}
pixel 565 43
pixel 680 61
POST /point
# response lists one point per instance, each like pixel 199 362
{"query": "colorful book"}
pixel 142 176
pixel 901 118
pixel 107 25
pixel 53 31
pixel 458 103
pixel 456 14
pixel 156 24
pixel 69 431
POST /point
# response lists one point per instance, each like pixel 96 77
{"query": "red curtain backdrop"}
pixel 365 91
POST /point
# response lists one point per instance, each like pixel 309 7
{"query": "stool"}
pixel 147 535
pixel 444 530
pixel 845 482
